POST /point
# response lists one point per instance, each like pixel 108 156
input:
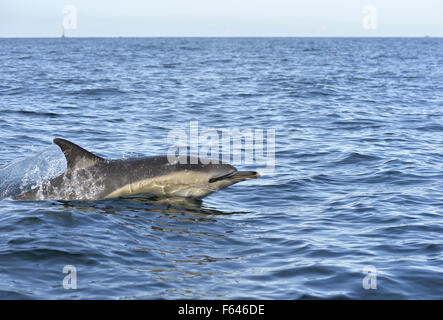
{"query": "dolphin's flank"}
pixel 89 177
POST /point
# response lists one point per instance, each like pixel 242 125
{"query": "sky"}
pixel 221 18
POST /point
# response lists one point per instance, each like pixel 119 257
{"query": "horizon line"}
pixel 215 36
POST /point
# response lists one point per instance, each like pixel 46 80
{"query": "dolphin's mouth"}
pixel 236 176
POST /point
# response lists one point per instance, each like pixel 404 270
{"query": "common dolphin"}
pixel 89 177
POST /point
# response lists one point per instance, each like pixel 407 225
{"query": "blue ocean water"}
pixel 357 184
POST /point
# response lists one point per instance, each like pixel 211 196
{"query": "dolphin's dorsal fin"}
pixel 77 157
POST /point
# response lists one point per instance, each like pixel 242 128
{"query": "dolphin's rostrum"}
pixel 89 177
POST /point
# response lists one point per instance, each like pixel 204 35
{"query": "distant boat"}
pixel 63 31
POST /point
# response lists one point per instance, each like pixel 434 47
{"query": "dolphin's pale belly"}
pixel 178 184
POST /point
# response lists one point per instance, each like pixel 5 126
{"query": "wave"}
pixel 356 157
pixel 28 172
pixel 98 92
pixel 31 113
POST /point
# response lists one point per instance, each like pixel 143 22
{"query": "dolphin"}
pixel 90 177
